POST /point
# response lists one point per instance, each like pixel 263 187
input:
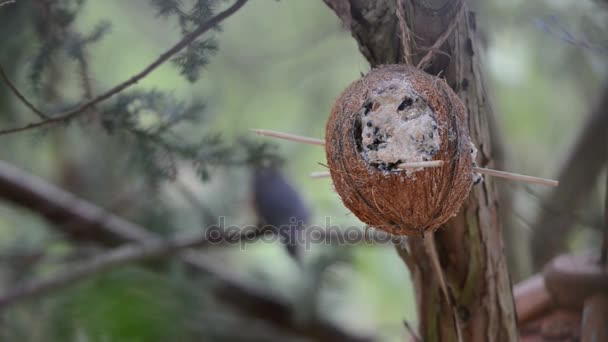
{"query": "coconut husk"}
pixel 401 202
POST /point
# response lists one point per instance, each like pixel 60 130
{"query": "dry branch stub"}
pixel 398 114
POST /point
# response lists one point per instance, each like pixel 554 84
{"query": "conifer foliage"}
pixel 148 121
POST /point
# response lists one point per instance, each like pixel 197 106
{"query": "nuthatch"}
pixel 278 204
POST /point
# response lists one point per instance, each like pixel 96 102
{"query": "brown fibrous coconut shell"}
pixel 393 201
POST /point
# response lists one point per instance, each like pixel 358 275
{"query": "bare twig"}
pixel 552 26
pixel 604 249
pixel 185 41
pixel 516 176
pixel 7 2
pixel 19 95
pixel 83 66
pixel 442 39
pixel 71 274
pixel 582 218
pixel 429 244
pixel 410 330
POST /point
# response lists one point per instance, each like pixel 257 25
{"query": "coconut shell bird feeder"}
pixel 399 151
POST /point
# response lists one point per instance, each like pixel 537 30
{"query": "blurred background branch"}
pixel 84 220
pixel 578 175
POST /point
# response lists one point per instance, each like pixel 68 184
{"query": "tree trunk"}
pixel 470 246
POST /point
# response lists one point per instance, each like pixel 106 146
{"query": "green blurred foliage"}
pixel 279 65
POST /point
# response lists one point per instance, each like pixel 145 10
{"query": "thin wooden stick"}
pixel 412 165
pixel 515 176
pixel 165 56
pixel 320 174
pixel 19 95
pixel 489 172
pixel 287 136
pixel 433 163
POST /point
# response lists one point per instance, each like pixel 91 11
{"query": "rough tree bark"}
pixel 470 245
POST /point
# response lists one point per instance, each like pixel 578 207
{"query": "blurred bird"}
pixel 278 204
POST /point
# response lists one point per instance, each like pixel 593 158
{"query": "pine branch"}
pixel 84 73
pixel 184 42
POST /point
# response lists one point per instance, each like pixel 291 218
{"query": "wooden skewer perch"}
pixel 489 172
pixel 287 136
pixel 434 163
pixel 412 165
pixel 320 174
pixel 516 176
